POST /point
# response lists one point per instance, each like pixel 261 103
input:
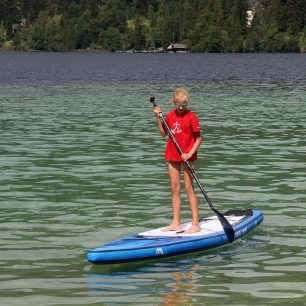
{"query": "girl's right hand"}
pixel 157 110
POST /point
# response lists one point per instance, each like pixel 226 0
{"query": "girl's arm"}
pixel 196 145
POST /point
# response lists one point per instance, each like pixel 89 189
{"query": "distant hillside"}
pixel 202 25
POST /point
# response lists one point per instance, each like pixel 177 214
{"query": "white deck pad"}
pixel 208 226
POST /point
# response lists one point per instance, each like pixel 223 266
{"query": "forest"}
pixel 140 25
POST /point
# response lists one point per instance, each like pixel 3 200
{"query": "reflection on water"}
pixel 166 283
pixel 83 165
pixel 208 277
pixel 173 288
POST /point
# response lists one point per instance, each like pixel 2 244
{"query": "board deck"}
pixel 208 226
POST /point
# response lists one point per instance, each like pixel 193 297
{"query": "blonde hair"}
pixel 181 95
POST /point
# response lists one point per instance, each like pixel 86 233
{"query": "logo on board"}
pixel 159 251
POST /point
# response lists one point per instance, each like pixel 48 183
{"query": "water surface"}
pixel 82 164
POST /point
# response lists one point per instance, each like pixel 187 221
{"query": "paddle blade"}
pixel 228 229
pixel 229 232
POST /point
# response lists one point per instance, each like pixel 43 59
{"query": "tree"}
pixel 237 25
pixel 167 23
pixel 5 45
pixel 207 35
pixel 37 33
pixel 110 39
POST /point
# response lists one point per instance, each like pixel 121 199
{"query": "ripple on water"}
pixel 83 165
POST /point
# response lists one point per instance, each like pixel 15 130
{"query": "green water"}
pixel 83 165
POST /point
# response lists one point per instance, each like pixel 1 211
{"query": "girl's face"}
pixel 181 106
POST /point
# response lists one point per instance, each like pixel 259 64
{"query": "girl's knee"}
pixel 175 189
pixel 189 190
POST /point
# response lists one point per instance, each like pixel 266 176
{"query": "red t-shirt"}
pixel 182 126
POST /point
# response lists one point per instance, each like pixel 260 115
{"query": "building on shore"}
pixel 250 17
pixel 177 48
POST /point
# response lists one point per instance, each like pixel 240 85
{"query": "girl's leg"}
pixel 174 171
pixel 193 201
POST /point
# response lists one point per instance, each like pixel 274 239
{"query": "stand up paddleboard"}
pixel 157 243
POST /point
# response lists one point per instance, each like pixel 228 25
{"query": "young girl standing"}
pixel 185 127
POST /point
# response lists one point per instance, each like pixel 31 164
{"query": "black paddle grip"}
pixel 152 100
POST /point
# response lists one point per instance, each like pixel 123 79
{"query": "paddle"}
pixel 228 229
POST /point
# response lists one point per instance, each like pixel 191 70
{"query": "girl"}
pixel 185 126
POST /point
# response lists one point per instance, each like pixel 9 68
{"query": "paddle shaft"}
pixel 228 229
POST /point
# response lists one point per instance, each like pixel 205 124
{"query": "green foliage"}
pixel 110 39
pixel 5 44
pixel 302 41
pixel 2 35
pixel 204 25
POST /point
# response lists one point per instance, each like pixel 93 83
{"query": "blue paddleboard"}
pixel 157 243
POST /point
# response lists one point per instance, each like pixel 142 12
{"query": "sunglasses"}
pixel 178 105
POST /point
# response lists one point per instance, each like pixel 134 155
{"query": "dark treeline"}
pixel 203 25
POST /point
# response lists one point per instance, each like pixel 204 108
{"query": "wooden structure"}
pixel 177 48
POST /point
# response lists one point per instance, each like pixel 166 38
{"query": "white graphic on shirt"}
pixel 176 128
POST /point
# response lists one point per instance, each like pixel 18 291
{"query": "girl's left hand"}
pixel 186 156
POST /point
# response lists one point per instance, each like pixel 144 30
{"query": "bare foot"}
pixel 194 228
pixel 171 227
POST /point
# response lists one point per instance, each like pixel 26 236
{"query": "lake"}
pixel 81 164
